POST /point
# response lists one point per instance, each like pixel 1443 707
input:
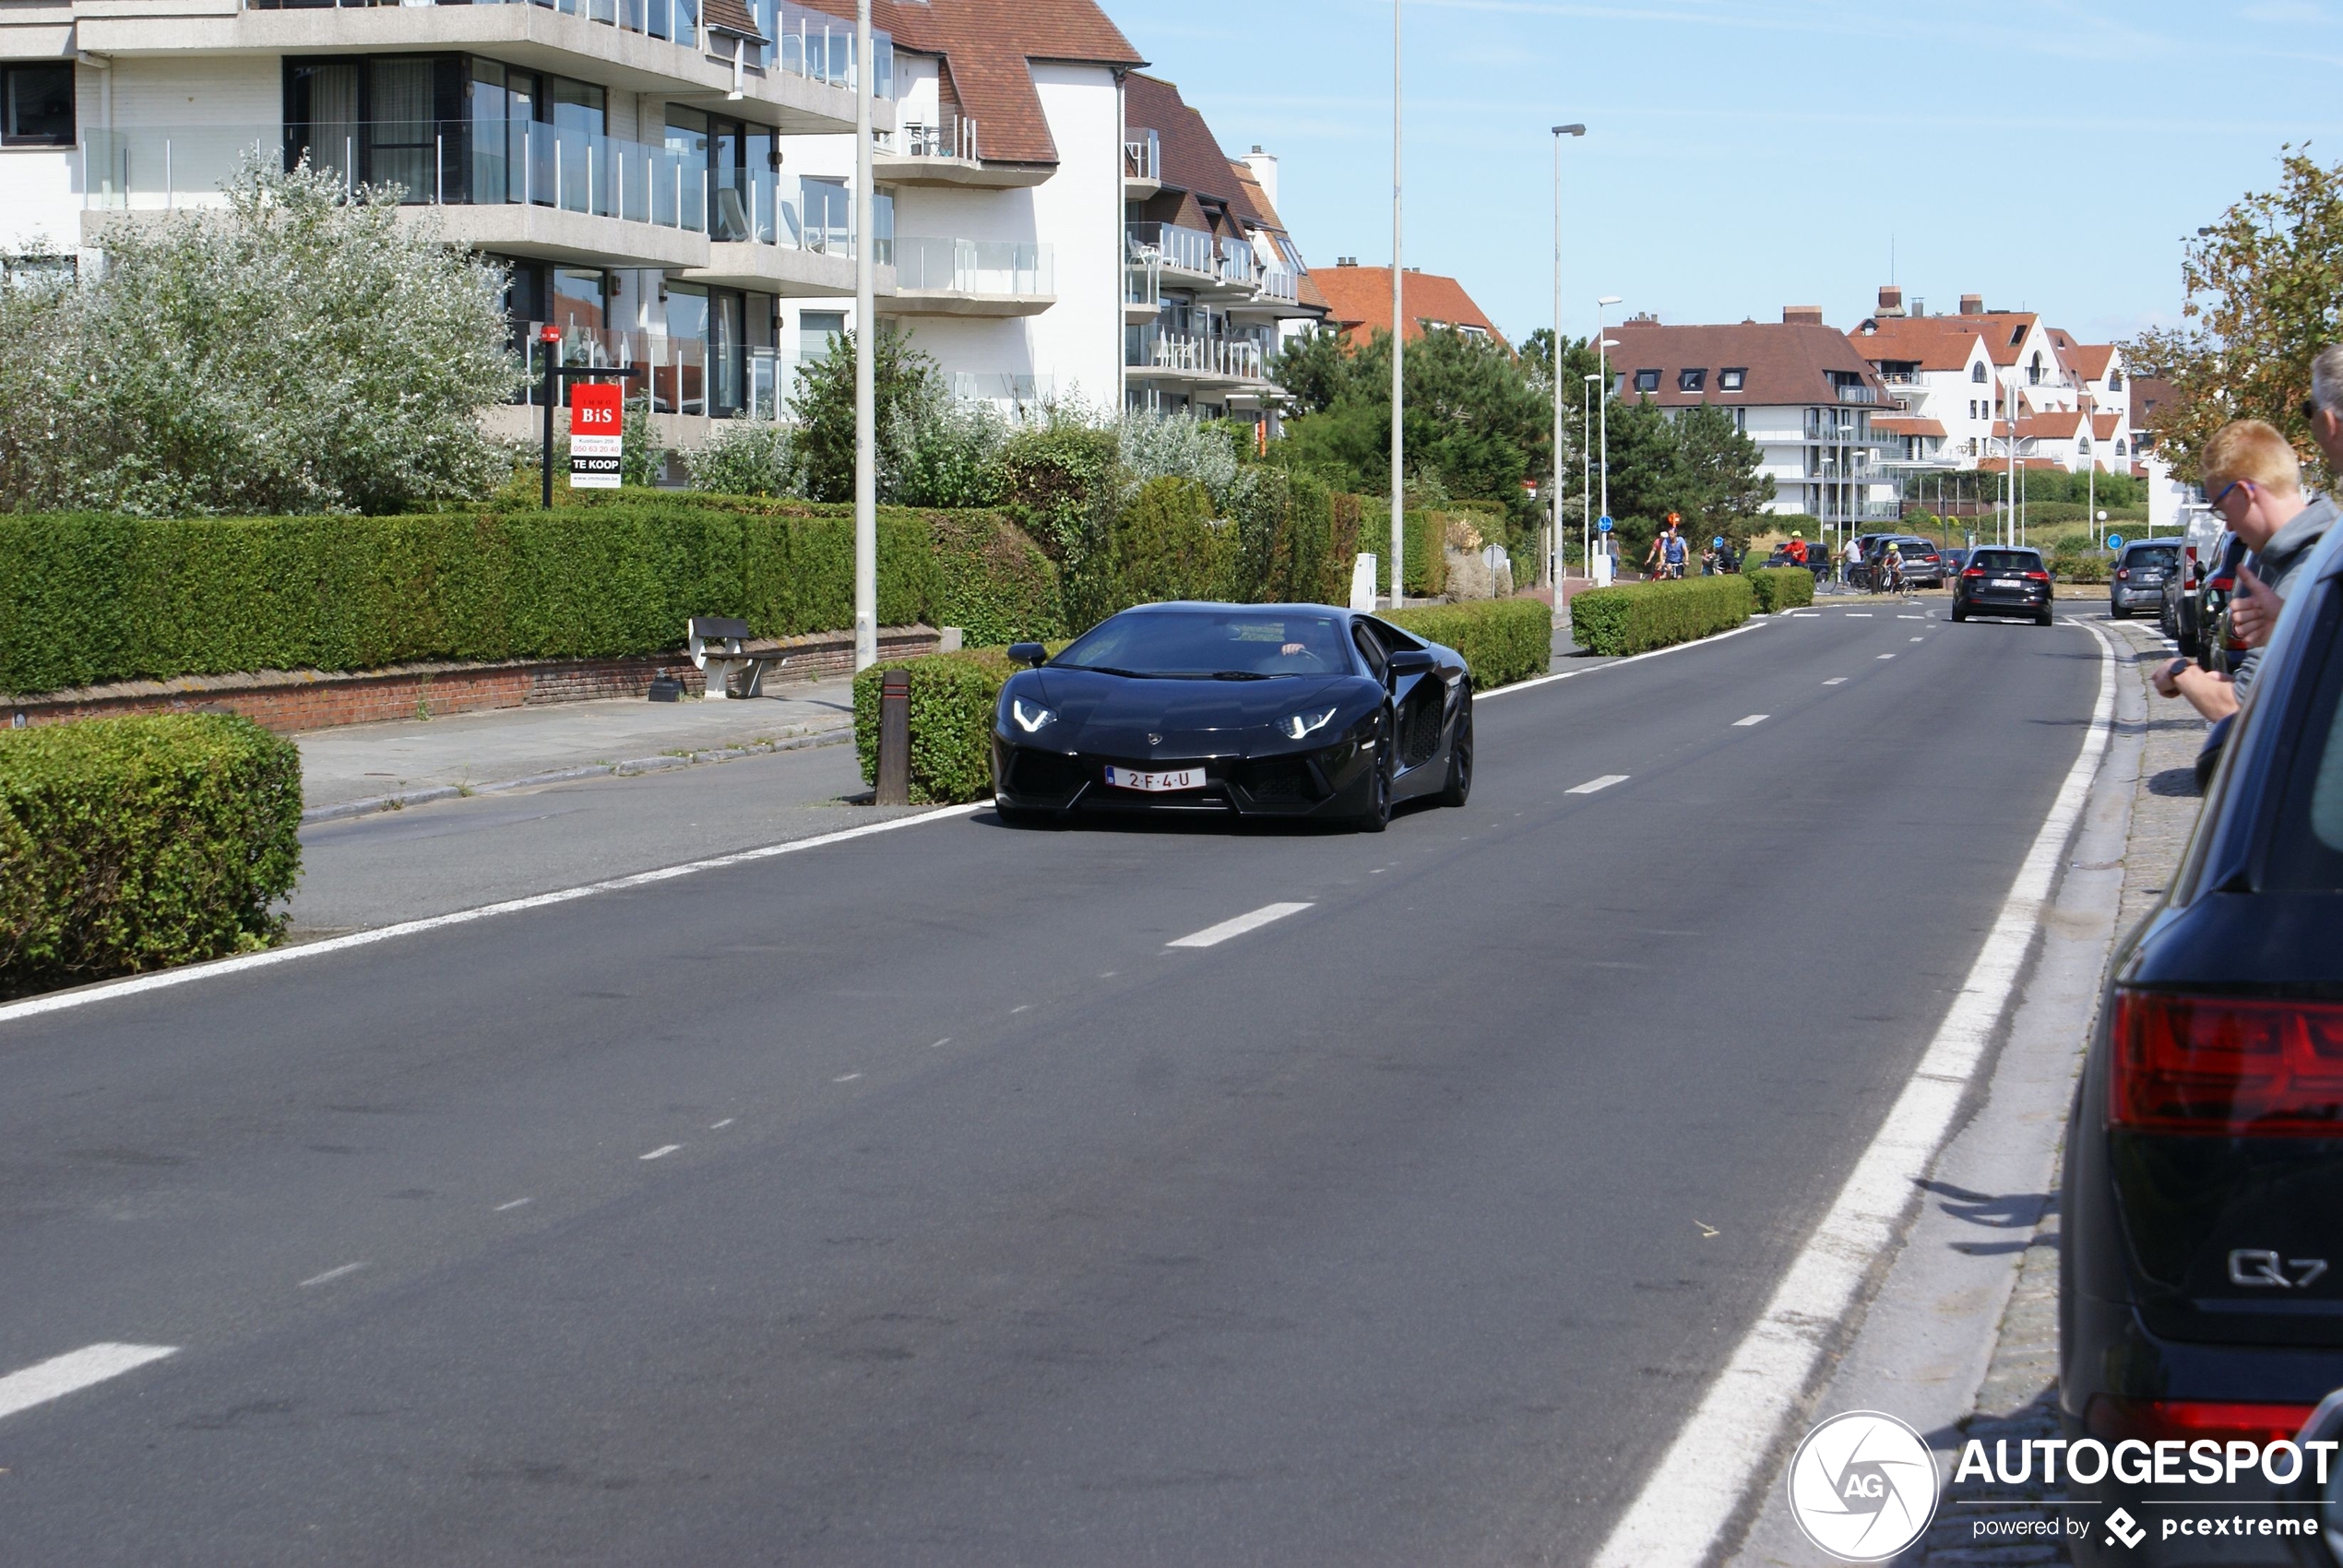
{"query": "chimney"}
pixel 1919 306
pixel 1972 304
pixel 1891 300
pixel 1264 171
pixel 1802 316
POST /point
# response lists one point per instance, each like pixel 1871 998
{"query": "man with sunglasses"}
pixel 2255 483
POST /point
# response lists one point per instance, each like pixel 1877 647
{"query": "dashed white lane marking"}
pixel 1690 1495
pixel 1213 935
pixel 944 1041
pixel 1020 1007
pixel 1859 615
pixel 1911 617
pixel 331 1275
pixel 515 1204
pixel 846 1077
pixel 661 1152
pixel 1753 719
pixel 1887 656
pixel 1592 785
pixel 1920 640
pixel 719 1126
pixel 1836 681
pixel 60 1375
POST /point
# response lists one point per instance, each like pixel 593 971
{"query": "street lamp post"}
pixel 1399 345
pixel 1586 476
pixel 1560 132
pixel 865 360
pixel 1603 345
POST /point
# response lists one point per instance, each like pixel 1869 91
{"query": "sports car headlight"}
pixel 1028 718
pixel 1297 725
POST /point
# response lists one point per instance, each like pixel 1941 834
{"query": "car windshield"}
pixel 2162 559
pixel 1229 643
pixel 2006 561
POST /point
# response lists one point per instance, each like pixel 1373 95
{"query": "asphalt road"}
pixel 910 1200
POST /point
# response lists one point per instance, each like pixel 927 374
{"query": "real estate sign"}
pixel 595 422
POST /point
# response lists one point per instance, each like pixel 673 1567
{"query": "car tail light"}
pixel 2123 574
pixel 2222 585
pixel 2037 576
pixel 1974 572
pixel 2233 1066
pixel 2111 1419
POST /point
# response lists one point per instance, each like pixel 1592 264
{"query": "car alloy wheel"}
pixel 1460 786
pixel 1377 816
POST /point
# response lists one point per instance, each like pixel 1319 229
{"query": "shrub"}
pixel 1167 546
pixel 1779 588
pixel 85 599
pixel 952 702
pixel 1639 617
pixel 1427 539
pixel 1503 640
pixel 130 844
pixel 743 457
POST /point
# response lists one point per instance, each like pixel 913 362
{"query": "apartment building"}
pixel 625 159
pixel 1213 282
pixel 1796 388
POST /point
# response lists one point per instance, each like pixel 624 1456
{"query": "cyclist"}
pixel 1672 551
pixel 1891 569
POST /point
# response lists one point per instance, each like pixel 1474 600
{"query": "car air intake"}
pixel 2234 1066
pixel 1040 773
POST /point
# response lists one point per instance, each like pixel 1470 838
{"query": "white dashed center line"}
pixel 515 1204
pixel 1887 656
pixel 1592 785
pixel 661 1152
pixel 1213 935
pixel 719 1126
pixel 1753 719
pixel 1919 640
pixel 1859 615
pixel 846 1077
pixel 944 1041
pixel 60 1375
pixel 1836 681
pixel 331 1274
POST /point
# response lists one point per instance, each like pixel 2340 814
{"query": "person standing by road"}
pixel 2261 582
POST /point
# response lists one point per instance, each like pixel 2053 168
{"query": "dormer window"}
pixel 1732 378
pixel 1691 380
pixel 1646 381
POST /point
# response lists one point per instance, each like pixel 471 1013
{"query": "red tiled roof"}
pixel 2031 465
pixel 2149 394
pixel 2103 426
pixel 1359 301
pixel 2060 424
pixel 1931 342
pixel 1907 424
pixel 989 45
pixel 1784 361
pixel 2004 332
pixel 2090 360
pixel 1193 160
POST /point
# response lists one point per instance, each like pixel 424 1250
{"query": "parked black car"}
pixel 1284 710
pixel 1924 564
pixel 2002 580
pixel 2177 615
pixel 2199 1296
pixel 2139 576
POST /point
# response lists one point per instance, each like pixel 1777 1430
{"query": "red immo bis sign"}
pixel 594 440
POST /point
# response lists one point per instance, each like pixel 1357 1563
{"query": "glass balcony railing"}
pixel 971 267
pixel 798 41
pixel 1184 250
pixel 493 163
pixel 1143 157
pixel 1143 280
pixel 674 369
pixel 1238 263
pixel 1187 354
pixel 1277 284
pixel 954 136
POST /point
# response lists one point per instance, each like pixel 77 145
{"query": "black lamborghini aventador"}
pixel 1259 710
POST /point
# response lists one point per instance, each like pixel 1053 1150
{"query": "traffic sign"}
pixel 2115 541
pixel 1603 527
pixel 596 444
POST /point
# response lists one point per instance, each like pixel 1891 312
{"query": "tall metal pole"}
pixel 1560 132
pixel 1586 475
pixel 1602 393
pixel 1399 346
pixel 866 356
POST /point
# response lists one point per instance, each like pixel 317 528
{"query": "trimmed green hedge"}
pixel 953 699
pixel 1638 617
pixel 1503 640
pixel 130 844
pixel 1780 587
pixel 85 599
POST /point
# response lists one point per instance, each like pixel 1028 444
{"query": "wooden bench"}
pixel 719 647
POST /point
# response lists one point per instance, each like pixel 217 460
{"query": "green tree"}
pixel 304 349
pixel 906 386
pixel 1721 487
pixel 2262 293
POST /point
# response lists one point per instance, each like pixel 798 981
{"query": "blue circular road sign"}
pixel 1603 527
pixel 2115 541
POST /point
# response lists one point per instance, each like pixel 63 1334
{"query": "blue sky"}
pixel 1742 155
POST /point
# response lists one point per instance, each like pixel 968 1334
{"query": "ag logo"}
pixel 1863 1486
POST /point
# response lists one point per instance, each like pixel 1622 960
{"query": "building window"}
pixel 2034 371
pixel 2115 380
pixel 1691 380
pixel 2119 450
pixel 1732 378
pixel 1646 381
pixel 1976 372
pixel 37 100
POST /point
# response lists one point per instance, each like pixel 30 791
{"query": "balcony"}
pixel 1859 394
pixel 1142 287
pixel 1192 256
pixel 528 189
pixel 1142 165
pixel 1154 353
pixel 984 277
pixel 950 153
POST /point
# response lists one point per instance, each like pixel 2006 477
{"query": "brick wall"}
pixel 317 699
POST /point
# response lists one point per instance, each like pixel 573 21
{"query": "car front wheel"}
pixel 1377 816
pixel 1460 786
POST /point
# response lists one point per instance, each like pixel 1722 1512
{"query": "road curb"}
pixel 829 736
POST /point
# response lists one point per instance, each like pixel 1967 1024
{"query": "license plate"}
pixel 1178 778
pixel 2008 582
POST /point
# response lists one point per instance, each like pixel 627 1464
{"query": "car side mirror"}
pixel 1410 661
pixel 1033 654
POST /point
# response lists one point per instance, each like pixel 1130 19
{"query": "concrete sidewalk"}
pixel 355 769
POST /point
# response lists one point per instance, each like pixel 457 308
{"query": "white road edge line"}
pixel 1213 935
pixel 193 972
pixel 60 1375
pixel 1596 669
pixel 331 1274
pixel 1692 1495
pixel 1593 784
pixel 1753 719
